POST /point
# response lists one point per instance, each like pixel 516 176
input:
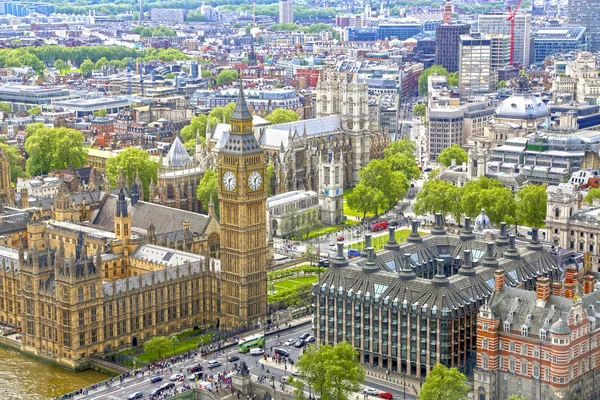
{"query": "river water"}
pixel 23 378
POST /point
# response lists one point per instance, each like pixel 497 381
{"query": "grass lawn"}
pixel 351 213
pixel 186 343
pixel 329 229
pixel 293 282
pixel 379 241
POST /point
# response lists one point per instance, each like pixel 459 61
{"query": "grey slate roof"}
pixel 165 219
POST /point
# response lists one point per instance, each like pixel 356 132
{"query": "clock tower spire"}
pixel 242 197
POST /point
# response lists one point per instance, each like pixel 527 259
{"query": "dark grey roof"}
pixel 241 144
pixel 165 219
pixel 241 111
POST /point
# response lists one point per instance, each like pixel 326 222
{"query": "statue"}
pixel 243 369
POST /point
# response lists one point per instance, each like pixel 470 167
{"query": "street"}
pixel 142 383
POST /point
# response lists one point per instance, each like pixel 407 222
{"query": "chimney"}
pixel 392 244
pixel 438 228
pixel 557 289
pixel 570 274
pixel 368 244
pixel 24 198
pixel 543 288
pixel 498 279
pixel 414 236
pixel 588 284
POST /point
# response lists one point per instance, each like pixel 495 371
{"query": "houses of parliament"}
pixel 85 283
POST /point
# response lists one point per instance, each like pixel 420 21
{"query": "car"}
pixel 214 363
pixel 176 377
pixel 156 392
pixel 427 169
pixel 310 339
pixel 197 375
pixel 194 368
pixel 167 386
pixel 282 352
pixel 257 351
pixel 304 335
pixel 353 253
pixel 394 223
pixel 233 358
pixel 386 395
pixel 324 263
pixel 156 379
pixel 299 344
pixel 290 342
pixel 136 395
pixel 373 392
pixel 332 244
pixel 340 239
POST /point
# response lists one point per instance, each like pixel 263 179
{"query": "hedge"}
pixel 284 273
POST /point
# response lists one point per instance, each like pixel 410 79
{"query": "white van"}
pixel 257 351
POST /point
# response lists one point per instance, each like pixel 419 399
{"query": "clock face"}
pixel 255 180
pixel 229 180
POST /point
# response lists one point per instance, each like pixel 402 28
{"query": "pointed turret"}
pixel 79 247
pixel 121 181
pixel 121 205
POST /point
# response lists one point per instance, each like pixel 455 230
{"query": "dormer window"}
pixel 524 331
pixel 507 327
pixel 542 334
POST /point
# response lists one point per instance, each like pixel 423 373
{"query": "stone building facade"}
pixel 414 305
pixel 7 194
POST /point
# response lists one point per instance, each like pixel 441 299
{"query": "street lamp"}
pixel 53 392
pixel 404 383
pixel 273 380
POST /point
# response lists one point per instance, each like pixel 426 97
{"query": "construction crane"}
pixel 511 17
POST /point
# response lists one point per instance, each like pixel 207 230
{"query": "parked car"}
pixel 176 377
pixel 304 335
pixel 155 392
pixel 373 392
pixel 156 379
pixel 353 253
pixel 378 226
pixel 194 368
pixel 196 376
pixel 136 395
pixel 290 342
pixel 310 339
pixel 324 263
pixel 257 351
pixel 340 239
pixel 427 169
pixel 214 364
pixel 233 358
pixel 386 395
pixel 167 386
pixel 299 343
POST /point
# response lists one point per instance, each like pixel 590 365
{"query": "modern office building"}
pixel 549 40
pixel 171 15
pixel 83 107
pixel 447 43
pixel 24 8
pixel 415 304
pixel 539 344
pixel 474 65
pixel 22 97
pixel 585 13
pixel 498 23
pixel 286 11
pixel 383 32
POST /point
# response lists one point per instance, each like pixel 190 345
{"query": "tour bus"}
pixel 248 342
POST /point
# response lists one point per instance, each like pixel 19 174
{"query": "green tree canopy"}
pixel 532 205
pixel 332 371
pixel 206 73
pixel 443 383
pixel 470 195
pixel 284 27
pixel 197 125
pixel 379 175
pixel 226 76
pixel 37 110
pixel 130 161
pixel 419 110
pixel 438 196
pixel 516 397
pixel 403 146
pixel 101 113
pixel 281 116
pixel 86 68
pixel 160 345
pixel 219 112
pixel 53 148
pixel 269 177
pixel 209 185
pixel 15 162
pixel 5 108
pixel 62 66
pixel 434 69
pixel 454 152
pixel 594 193
pixel 365 199
pixel 501 85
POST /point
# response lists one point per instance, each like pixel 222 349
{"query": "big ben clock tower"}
pixel 242 198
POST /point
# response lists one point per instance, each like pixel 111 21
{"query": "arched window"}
pixel 324 104
pixel 335 105
pixel 92 291
pixel 80 294
pixel 556 212
pixel 350 106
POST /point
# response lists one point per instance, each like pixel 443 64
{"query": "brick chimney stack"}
pixel 498 279
pixel 588 284
pixel 543 288
pixel 557 289
pixel 570 281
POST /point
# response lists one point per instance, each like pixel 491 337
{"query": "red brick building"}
pixel 543 344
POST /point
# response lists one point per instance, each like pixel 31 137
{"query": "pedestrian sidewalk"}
pixel 413 385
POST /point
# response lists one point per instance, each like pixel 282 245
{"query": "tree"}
pixel 131 161
pixel 170 75
pixel 470 195
pixel 434 69
pixel 333 371
pixel 594 193
pixel 5 108
pixel 365 199
pixel 34 110
pixel 452 79
pixel 419 110
pixel 379 175
pixel 220 113
pixel 269 177
pixel 101 63
pixel 438 196
pixel 532 205
pixel 209 185
pixel 86 68
pixel 309 221
pixel 100 113
pixel 206 73
pixel 226 76
pixel 281 116
pixel 405 146
pixel 406 164
pixel 516 397
pixel 53 148
pixel 15 161
pixel 290 222
pixel 501 85
pixel 454 152
pixel 444 383
pixel 61 66
pixel 160 345
pixel 197 124
pixel 311 253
